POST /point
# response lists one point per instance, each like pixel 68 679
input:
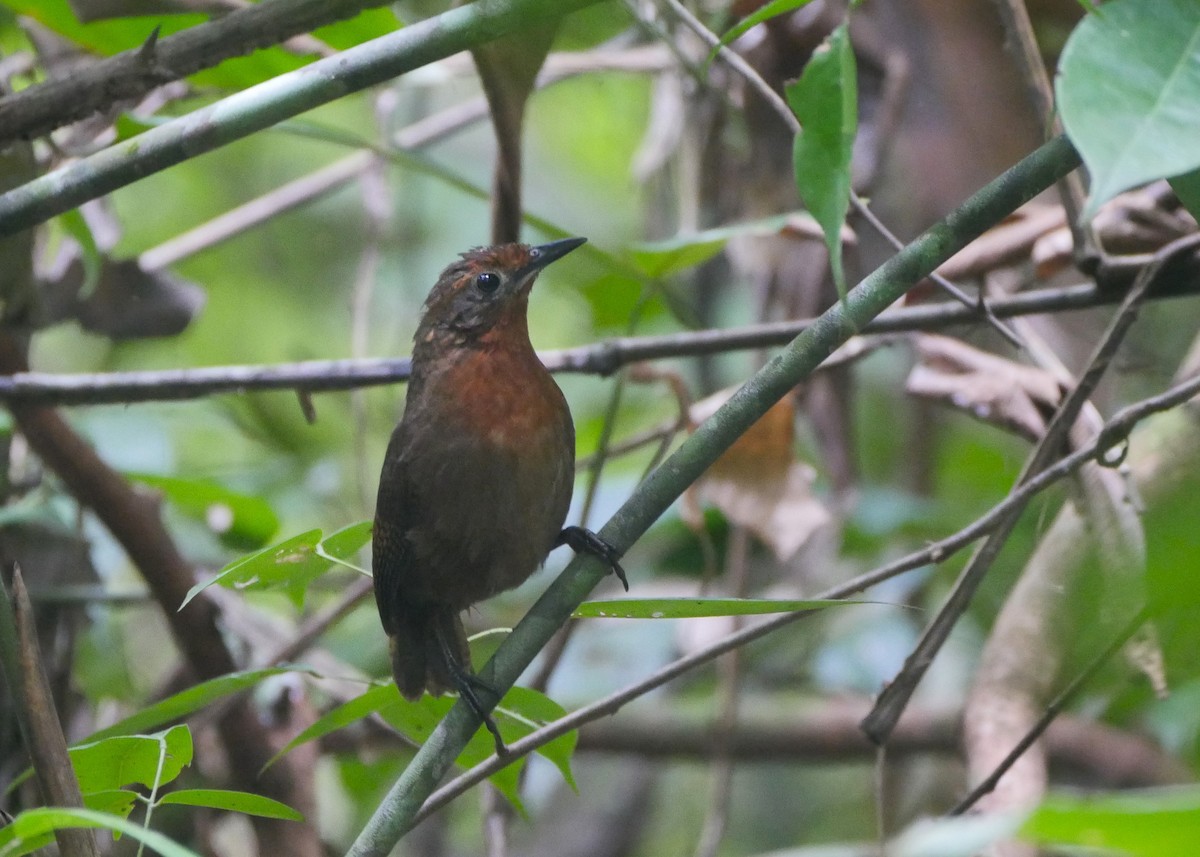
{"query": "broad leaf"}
pixel 1128 86
pixel 1187 188
pixel 1150 823
pixel 825 100
pixel 148 760
pixel 242 521
pixel 35 826
pixel 417 720
pixel 116 801
pixel 290 565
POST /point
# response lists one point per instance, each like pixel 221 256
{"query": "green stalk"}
pixel 268 103
pixel 884 286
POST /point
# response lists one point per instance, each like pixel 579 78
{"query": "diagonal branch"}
pixel 653 496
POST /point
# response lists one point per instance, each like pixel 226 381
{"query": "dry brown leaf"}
pixel 1011 395
pixel 758 483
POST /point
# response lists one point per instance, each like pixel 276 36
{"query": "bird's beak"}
pixel 544 254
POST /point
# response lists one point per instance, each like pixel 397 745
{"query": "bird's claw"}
pixel 583 540
pixel 467 683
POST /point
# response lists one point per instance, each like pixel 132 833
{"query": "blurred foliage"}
pixel 250 487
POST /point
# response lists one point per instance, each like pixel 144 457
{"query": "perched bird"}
pixel 478 474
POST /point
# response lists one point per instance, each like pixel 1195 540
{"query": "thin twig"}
pixel 1053 709
pixel 729 669
pixel 1019 29
pixel 603 358
pixel 895 695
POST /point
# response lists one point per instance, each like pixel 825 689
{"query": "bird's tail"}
pixel 423 639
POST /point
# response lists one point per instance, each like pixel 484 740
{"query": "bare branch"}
pixel 604 358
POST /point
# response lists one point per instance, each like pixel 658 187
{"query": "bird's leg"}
pixel 583 540
pixel 467 683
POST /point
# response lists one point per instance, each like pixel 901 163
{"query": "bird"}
pixel 478 474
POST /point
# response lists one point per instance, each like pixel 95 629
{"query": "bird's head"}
pixel 487 286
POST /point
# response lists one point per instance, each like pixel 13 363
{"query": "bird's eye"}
pixel 487 282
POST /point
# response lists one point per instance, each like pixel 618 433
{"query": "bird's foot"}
pixel 467 683
pixel 583 540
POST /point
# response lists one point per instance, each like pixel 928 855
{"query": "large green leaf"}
pixel 417 720
pixel 290 565
pixel 693 608
pixel 825 100
pixel 242 521
pixel 1129 93
pixel 149 760
pixel 1150 823
pixel 34 826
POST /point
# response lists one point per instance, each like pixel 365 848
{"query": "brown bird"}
pixel 478 474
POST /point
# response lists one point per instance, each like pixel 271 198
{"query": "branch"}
pixel 36 715
pixel 134 520
pixel 684 466
pixel 603 358
pixel 830 733
pixel 131 74
pixel 1114 433
pixel 264 105
pixel 895 695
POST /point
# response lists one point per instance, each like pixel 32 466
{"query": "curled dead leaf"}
pixel 758 483
pixel 1011 395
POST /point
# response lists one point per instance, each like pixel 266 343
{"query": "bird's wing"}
pixel 396 511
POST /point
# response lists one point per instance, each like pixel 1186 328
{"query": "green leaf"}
pixel 533 710
pixel 242 521
pixel 1149 823
pixel 149 760
pixel 694 608
pixel 116 801
pixel 1128 88
pixel 243 802
pixel 375 698
pixel 825 100
pixel 660 258
pixel 37 825
pixel 346 542
pixel 74 224
pixel 1187 188
pixel 187 701
pixel 364 26
pixel 290 565
pixel 769 10
pixel 417 720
